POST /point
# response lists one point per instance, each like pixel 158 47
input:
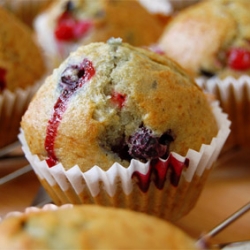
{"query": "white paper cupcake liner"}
pixel 12 107
pixel 234 97
pixel 118 186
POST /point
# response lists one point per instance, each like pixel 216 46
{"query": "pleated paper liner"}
pixel 166 188
pixel 234 97
pixel 12 107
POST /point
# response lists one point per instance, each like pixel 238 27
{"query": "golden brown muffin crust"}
pixel 20 56
pixel 158 95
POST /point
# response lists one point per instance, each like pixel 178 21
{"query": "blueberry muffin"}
pixel 211 40
pixel 113 104
pixel 65 25
pixel 21 66
pixel 90 227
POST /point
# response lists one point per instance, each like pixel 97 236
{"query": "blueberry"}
pixel 70 78
pixel 144 146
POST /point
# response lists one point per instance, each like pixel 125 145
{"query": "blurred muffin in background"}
pixel 25 10
pixel 211 39
pixel 89 227
pixel 67 24
pixel 21 66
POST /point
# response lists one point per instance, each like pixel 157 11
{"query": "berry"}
pixel 238 59
pixel 118 99
pixel 68 28
pixel 143 145
pixel 70 77
pixel 2 79
pixel 75 76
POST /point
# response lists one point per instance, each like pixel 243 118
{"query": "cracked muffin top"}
pixel 21 61
pixel 112 102
pixel 210 38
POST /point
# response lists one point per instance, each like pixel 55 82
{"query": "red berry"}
pixel 64 31
pixel 238 58
pixel 81 28
pixel 68 28
pixel 2 79
pixel 118 99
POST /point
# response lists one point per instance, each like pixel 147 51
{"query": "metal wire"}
pixel 203 241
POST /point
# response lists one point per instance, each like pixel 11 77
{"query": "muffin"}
pixel 211 40
pixel 25 10
pixel 90 227
pixel 21 65
pixel 65 25
pixel 114 134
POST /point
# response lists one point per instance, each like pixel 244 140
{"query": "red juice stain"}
pixel 158 172
pixel 72 79
pixel 2 79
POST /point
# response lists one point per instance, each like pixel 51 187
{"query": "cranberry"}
pixel 238 58
pixel 68 28
pixel 2 79
pixel 118 99
pixel 143 145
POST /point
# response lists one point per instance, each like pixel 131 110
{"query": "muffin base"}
pixel 12 107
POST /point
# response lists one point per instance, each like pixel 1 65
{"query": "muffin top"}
pixel 67 24
pixel 25 10
pixel 210 38
pixel 90 227
pixel 112 102
pixel 21 61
